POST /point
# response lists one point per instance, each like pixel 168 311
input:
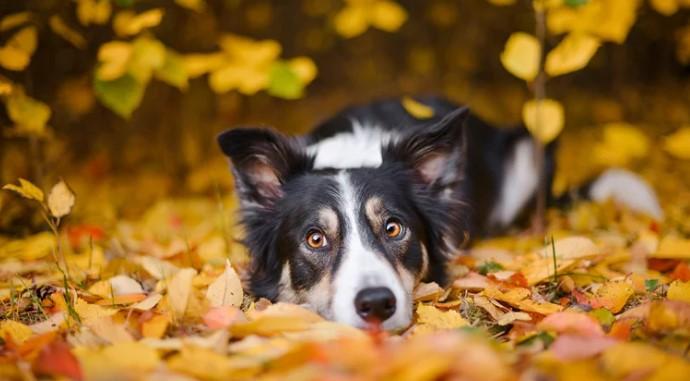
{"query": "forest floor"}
pixel 604 295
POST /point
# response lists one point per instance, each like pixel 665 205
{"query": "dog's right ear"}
pixel 262 161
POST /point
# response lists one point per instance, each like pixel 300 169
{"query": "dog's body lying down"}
pixel 349 218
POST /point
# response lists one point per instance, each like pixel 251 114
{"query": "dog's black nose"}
pixel 377 303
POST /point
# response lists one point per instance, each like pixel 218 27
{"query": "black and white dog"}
pixel 350 218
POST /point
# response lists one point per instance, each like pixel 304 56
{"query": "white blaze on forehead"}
pixel 361 267
pixel 356 149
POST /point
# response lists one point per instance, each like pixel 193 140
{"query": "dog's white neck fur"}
pixel 359 148
pixel 361 267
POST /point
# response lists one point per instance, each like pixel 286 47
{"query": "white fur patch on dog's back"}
pixel 628 189
pixel 359 148
pixel 520 181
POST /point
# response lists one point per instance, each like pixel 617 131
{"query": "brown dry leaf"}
pixel 426 292
pixel 511 317
pixel 226 290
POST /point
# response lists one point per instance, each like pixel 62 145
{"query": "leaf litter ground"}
pixel 605 295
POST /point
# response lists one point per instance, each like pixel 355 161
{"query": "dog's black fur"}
pixel 274 209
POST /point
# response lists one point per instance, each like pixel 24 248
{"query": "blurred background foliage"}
pixel 123 98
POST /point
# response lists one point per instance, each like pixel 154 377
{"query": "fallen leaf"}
pixel 678 144
pixel 56 359
pixel 223 317
pixel 226 290
pixel 679 291
pixel 572 323
pixel 124 285
pixel 510 317
pixel 179 291
pixel 14 330
pixel 433 317
pixel 672 247
pixel 155 327
pixel 148 303
pixel 613 296
pixel 571 347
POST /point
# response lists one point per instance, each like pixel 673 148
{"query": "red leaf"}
pixel 681 272
pixel 56 359
pixel 621 329
pixel 572 347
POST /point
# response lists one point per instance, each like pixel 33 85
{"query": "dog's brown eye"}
pixel 316 239
pixel 393 228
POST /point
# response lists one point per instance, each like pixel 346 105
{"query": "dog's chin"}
pixel 397 323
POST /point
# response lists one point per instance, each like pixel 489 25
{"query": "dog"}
pixel 349 218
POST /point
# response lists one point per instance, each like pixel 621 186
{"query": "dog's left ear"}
pixel 262 159
pixel 436 152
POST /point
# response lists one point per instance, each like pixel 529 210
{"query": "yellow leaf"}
pixel 30 248
pixel 250 52
pixel 195 5
pixel 438 319
pixel 113 57
pixel 29 114
pixel 304 67
pixel 678 143
pixel 520 298
pixel 573 53
pixel 155 327
pixel 622 144
pixel 226 290
pixel 521 56
pixel 63 30
pixel 120 361
pixel 276 319
pixel 17 331
pixel 417 109
pixel 16 53
pixel 609 20
pixel 613 295
pixel 128 23
pixel 26 189
pixel 502 2
pixel 88 312
pixel 93 11
pixel 102 289
pixel 665 7
pixel 200 64
pixel 180 290
pixel 387 15
pixel 672 247
pixel 148 303
pixel 351 21
pixel 679 291
pixel 544 119
pixel 14 20
pixel 60 200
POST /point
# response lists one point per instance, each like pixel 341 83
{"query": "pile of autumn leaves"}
pixel 158 299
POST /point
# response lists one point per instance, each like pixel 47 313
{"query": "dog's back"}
pixel 499 172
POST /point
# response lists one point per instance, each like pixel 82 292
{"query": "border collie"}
pixel 351 217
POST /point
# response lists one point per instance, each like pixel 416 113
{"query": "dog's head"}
pixel 351 243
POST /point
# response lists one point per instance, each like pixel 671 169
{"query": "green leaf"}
pixel 124 3
pixel 284 82
pixel 603 316
pixel 173 71
pixel 576 3
pixel 489 267
pixel 122 95
pixel 651 284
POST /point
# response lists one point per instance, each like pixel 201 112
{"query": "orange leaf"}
pixel 56 359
